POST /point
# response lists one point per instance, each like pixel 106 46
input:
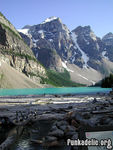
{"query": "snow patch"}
pixel 73 57
pixel 65 66
pixel 37 55
pixel 34 41
pixel 41 32
pixel 103 55
pixel 87 42
pixel 86 79
pixel 84 56
pixel 51 40
pixel 24 31
pixel 49 19
pixel 83 77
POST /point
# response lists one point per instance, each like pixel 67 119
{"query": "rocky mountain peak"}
pixel 85 31
pixel 55 46
pixel 26 27
pixel 50 19
pixel 82 30
pixel 108 39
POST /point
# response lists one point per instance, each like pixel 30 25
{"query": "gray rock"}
pixel 60 123
pixel 69 134
pixel 75 148
pixel 75 136
pixel 50 138
pixel 63 127
pixel 94 101
pixel 111 123
pixel 54 127
pixel 71 128
pixel 52 144
pixel 56 133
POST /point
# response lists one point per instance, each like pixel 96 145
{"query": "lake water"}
pixel 64 90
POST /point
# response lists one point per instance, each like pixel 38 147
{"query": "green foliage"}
pixel 107 82
pixel 59 79
pixel 31 74
pixel 21 55
pixel 1 76
pixel 1 79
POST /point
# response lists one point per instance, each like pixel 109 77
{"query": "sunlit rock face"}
pixel 16 53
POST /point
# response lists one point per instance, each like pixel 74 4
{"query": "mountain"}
pixel 12 78
pixel 87 57
pixel 16 54
pixel 108 41
pixel 20 68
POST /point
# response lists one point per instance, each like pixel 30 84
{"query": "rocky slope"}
pixel 12 78
pixel 16 53
pixel 108 41
pixel 87 57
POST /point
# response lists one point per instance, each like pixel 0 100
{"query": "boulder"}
pixel 75 136
pixel 94 101
pixel 52 144
pixel 70 131
pixel 37 141
pixel 74 123
pixel 60 123
pixel 50 138
pixel 69 134
pixel 70 128
pixel 56 133
pixel 63 127
pixel 53 128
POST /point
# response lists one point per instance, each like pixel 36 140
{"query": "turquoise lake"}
pixel 64 90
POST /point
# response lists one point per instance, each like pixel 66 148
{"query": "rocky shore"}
pixel 69 114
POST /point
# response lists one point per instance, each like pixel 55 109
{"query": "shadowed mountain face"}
pixel 56 47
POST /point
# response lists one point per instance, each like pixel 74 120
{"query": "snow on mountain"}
pixel 41 32
pixel 73 57
pixel 51 40
pixel 67 49
pixel 49 19
pixel 86 79
pixel 24 31
pixel 103 55
pixel 84 56
pixel 65 66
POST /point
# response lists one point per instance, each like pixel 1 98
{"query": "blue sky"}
pixel 96 13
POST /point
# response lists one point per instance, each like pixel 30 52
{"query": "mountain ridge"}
pixel 79 47
pixel 16 54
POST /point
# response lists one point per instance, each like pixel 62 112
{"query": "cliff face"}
pixel 87 57
pixel 16 53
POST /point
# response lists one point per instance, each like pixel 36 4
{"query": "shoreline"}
pixel 72 111
pixel 54 95
pixel 13 104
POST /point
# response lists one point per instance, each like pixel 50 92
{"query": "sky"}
pixel 96 13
